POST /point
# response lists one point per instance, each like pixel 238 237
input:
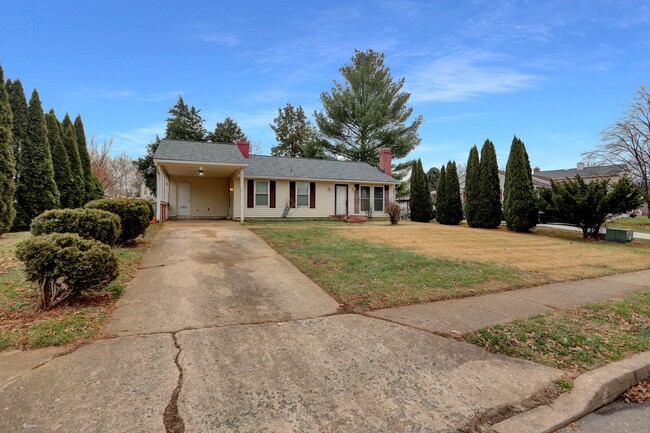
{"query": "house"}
pixel 216 180
pixel 538 182
pixel 588 174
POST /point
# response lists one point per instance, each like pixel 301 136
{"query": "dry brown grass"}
pixel 542 259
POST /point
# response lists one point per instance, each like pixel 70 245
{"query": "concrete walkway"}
pixel 636 235
pixel 218 333
pixel 459 316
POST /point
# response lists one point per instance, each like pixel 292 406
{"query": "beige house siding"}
pixel 208 197
pixel 324 201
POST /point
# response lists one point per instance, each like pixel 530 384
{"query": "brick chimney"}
pixel 536 170
pixel 385 160
pixel 244 147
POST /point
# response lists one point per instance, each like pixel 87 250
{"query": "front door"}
pixel 341 200
pixel 183 199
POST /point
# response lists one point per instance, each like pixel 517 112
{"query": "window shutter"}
pixel 292 194
pixel 272 194
pixel 386 198
pixel 356 198
pixel 312 195
pixel 250 197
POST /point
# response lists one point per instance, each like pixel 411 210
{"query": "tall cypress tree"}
pixel 420 203
pixel 489 209
pixel 18 103
pixel 441 196
pixel 7 163
pixel 519 204
pixel 69 137
pixel 472 177
pixel 62 171
pixel 454 204
pixel 36 190
pixel 427 190
pixel 84 157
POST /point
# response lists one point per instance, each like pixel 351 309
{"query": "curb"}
pixel 591 391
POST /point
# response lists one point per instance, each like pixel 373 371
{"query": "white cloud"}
pixel 463 76
pixel 220 38
pixel 134 142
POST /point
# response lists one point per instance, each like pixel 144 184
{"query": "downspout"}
pixel 241 195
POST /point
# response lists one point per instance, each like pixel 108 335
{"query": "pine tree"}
pixel 420 206
pixel 292 131
pixel 61 162
pixel 441 196
pixel 227 131
pixel 18 103
pixel 69 137
pixel 488 215
pixel 519 203
pixel 185 123
pixel 36 190
pixel 472 178
pixel 84 157
pixel 7 163
pixel 454 203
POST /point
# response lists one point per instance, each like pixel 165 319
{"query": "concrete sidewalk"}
pixel 460 316
pixel 636 235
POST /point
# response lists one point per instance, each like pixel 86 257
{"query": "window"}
pixel 364 199
pixel 302 194
pixel 261 193
pixel 379 199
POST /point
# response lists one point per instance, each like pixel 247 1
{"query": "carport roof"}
pixel 270 166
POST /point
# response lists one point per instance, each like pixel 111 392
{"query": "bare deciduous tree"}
pixel 101 163
pixel 627 141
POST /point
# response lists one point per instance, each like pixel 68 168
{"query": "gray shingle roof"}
pixel 597 171
pixel 270 166
pixel 199 151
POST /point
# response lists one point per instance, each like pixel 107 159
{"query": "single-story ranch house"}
pixel 216 180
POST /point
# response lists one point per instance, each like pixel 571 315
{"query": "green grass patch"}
pixel 638 224
pixel 23 326
pixel 363 275
pixel 577 340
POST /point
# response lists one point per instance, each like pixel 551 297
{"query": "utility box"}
pixel 619 235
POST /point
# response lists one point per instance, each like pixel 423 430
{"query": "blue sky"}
pixel 553 72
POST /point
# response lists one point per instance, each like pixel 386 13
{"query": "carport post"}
pixel 241 195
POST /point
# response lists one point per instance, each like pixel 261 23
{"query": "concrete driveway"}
pixel 218 333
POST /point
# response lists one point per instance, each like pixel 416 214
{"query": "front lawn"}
pixel 23 326
pixel 638 224
pixel 375 265
pixel 577 340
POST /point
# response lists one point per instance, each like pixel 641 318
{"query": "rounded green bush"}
pixel 133 213
pixel 64 265
pixel 94 224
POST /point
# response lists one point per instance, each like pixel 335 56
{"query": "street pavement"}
pixel 617 417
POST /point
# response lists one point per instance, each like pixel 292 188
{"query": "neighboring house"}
pixel 215 180
pixel 538 182
pixel 611 172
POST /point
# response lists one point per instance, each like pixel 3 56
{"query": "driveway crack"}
pixel 172 418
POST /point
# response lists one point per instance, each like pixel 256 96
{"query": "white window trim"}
pixel 268 194
pixel 308 205
pixel 383 196
pixel 370 198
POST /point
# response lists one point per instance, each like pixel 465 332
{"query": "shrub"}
pixel 519 200
pixel 64 264
pixel 394 211
pixel 94 224
pixel 134 215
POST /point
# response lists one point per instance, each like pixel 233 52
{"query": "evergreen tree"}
pixel 69 137
pixel 84 157
pixel 454 213
pixel 488 215
pixel 441 196
pixel 425 178
pixel 292 131
pixel 7 163
pixel 519 203
pixel 368 112
pixel 36 190
pixel 316 148
pixel 472 179
pixel 185 123
pixel 18 103
pixel 146 167
pixel 420 199
pixel 227 131
pixel 60 161
pixel 432 175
